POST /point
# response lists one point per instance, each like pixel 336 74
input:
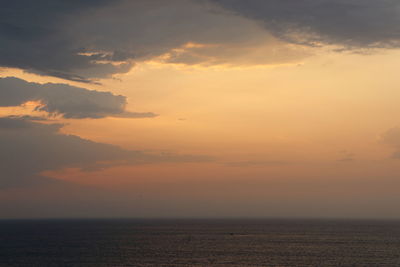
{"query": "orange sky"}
pixel 311 130
pixel 286 129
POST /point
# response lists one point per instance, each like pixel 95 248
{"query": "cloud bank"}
pixel 86 40
pixel 65 100
pixel 29 148
pixel 348 23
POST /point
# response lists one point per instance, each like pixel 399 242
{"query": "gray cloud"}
pixel 85 40
pixel 65 100
pixel 29 148
pixel 36 41
pixel 349 23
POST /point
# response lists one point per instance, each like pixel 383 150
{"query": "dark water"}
pixel 115 243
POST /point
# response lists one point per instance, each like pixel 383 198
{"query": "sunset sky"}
pixel 200 108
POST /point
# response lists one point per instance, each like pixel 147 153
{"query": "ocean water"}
pixel 117 243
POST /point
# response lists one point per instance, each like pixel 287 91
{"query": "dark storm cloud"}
pixel 29 148
pixel 349 23
pixel 65 100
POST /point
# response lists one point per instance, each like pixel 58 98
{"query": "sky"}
pixel 199 108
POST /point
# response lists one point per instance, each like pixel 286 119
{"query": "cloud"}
pixel 258 163
pixel 392 138
pixel 87 40
pixel 29 148
pixel 65 100
pixel 346 156
pixel 178 31
pixel 36 41
pixel 348 23
pixel 129 114
pixel 264 50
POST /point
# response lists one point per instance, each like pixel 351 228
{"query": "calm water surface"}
pixel 117 243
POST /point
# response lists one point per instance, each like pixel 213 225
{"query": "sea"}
pixel 198 242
